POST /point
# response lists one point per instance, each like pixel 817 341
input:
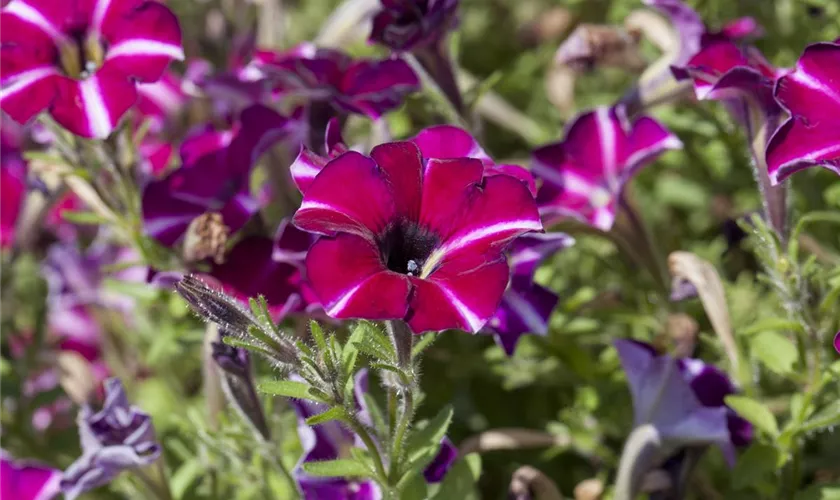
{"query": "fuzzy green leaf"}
pixel 825 418
pixel 287 388
pixel 337 468
pixel 755 412
pixel 318 335
pixel 755 464
pixel 775 351
pixel 430 434
pixel 461 479
pixel 334 413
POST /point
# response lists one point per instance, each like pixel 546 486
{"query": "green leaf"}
pixel 318 335
pixel 772 325
pixel 337 468
pixel 820 492
pixel 350 354
pixel 430 434
pixel 413 486
pixel 83 217
pixel 287 388
pixel 775 351
pixel 825 418
pixel 334 413
pixel 755 412
pixel 422 344
pixel 461 479
pixel 755 464
pixel 185 477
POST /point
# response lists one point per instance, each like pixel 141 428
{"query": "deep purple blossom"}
pixel 331 441
pixel 27 481
pixel 526 306
pixel 364 86
pixel 214 175
pixel 406 25
pixel 683 399
pixel 811 136
pixel 584 175
pixel 83 60
pixel 412 238
pixel 116 438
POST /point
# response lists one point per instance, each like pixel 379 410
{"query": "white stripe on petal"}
pixel 31 15
pixel 143 47
pixel 98 118
pixel 341 303
pixel 487 232
pixel 162 94
pixel 603 218
pixel 607 141
pixel 547 173
pixel 99 14
pixel 812 83
pixel 574 183
pixel 21 81
pixel 317 205
pixel 475 323
pixel 526 312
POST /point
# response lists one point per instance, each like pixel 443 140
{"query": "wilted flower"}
pixel 412 238
pixel 116 438
pixel 809 93
pixel 405 25
pixel 683 399
pixel 214 176
pixel 584 175
pixel 526 306
pixel 238 384
pixel 331 441
pixel 83 61
pixel 364 86
pixel 27 481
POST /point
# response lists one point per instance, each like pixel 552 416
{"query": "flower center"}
pixel 82 55
pixel 405 248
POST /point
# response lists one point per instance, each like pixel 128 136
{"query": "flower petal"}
pixel 347 274
pixel 376 87
pixel 13 188
pixel 529 251
pixel 93 107
pixel 144 41
pixel 27 71
pixel 796 146
pixel 717 55
pixel 463 293
pixel 446 456
pixel 165 217
pixel 648 139
pixel 27 481
pixel 447 141
pixel 402 164
pixel 812 89
pixel 53 19
pixel 515 171
pixel 351 194
pixel 525 308
pixel 306 167
pixel 597 142
pixel 290 243
pixel 447 184
pixel 488 218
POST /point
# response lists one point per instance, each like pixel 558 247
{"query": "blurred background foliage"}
pixel 568 383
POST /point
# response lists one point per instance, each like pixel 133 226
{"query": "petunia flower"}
pixel 407 25
pixel 116 438
pixel 27 481
pixel 412 238
pixel 584 175
pixel 12 187
pixel 657 84
pixel 82 61
pixel 331 441
pixel 526 306
pixel 334 84
pixel 683 399
pixel 811 136
pixel 213 178
pixel 421 27
pixel 160 102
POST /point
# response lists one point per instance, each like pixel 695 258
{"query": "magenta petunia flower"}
pixel 214 176
pixel 412 238
pixel 364 86
pixel 405 25
pixel 526 306
pixel 27 481
pixel 82 60
pixel 12 188
pixel 683 399
pixel 583 176
pixel 160 102
pixel 308 163
pixel 811 136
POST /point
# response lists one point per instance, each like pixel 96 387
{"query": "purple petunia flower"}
pixel 683 399
pixel 214 176
pixel 584 175
pixel 406 25
pixel 657 84
pixel 526 306
pixel 331 440
pixel 811 136
pixel 27 481
pixel 412 238
pixel 82 60
pixel 367 87
pixel 116 438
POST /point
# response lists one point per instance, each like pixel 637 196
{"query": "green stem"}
pixel 399 435
pixel 641 450
pixel 657 266
pixel 363 433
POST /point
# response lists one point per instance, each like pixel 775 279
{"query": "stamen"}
pixel 412 268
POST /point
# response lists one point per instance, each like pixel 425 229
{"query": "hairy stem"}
pixel 641 451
